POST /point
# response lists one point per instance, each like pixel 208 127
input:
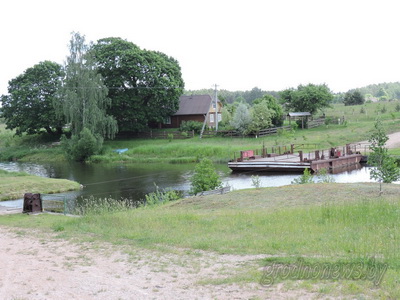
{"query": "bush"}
pixel 323 176
pixel 159 197
pixel 191 125
pixel 305 178
pixel 81 147
pixel 205 178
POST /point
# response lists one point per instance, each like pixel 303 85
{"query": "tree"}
pixel 307 98
pixel 144 86
pixel 84 99
pixel 255 93
pixel 205 178
pixel 260 117
pixel 353 98
pixel 274 107
pixel 381 93
pixel 29 107
pixel 385 168
pixel 241 119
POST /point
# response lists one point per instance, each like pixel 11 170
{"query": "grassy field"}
pixel 317 223
pixel 14 185
pixel 359 120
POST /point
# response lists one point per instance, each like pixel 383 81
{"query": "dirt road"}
pixel 48 267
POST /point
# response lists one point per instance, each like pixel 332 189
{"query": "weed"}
pixel 305 178
pixel 255 181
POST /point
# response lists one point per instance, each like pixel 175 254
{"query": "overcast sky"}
pixel 270 44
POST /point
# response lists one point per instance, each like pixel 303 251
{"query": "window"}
pixel 219 117
pixel 167 121
pixel 212 118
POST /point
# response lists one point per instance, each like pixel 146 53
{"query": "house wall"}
pixel 177 120
pixel 211 120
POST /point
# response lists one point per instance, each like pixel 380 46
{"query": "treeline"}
pixel 373 92
pixel 227 97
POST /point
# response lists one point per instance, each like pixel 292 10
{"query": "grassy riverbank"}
pixel 14 185
pixel 359 120
pixel 346 223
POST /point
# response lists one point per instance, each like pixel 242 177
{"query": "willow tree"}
pixel 84 102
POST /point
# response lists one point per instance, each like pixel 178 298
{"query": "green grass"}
pixel 319 222
pixel 14 185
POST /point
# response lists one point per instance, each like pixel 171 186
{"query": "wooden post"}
pixel 263 151
pixel 317 154
pixel 301 155
pixel 348 150
pixel 279 150
pixel 291 148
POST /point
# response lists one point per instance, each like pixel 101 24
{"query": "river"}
pixel 133 181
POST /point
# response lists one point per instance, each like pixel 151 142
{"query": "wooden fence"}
pixel 222 133
pixel 158 134
pixel 273 130
pixel 315 123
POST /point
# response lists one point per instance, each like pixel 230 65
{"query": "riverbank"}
pixel 244 231
pixel 13 185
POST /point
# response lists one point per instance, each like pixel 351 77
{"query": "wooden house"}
pixel 194 108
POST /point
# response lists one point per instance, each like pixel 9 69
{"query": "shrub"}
pixel 255 181
pixel 159 197
pixel 324 177
pixel 81 147
pixel 205 178
pixel 191 125
pixel 305 178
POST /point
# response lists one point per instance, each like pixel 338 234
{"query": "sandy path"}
pixel 47 267
pixel 394 140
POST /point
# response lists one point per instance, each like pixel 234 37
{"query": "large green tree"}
pixel 353 97
pixel 307 98
pixel 260 117
pixel 28 108
pixel 241 119
pixel 274 107
pixel 84 102
pixel 144 85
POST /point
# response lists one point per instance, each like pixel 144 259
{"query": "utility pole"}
pixel 216 107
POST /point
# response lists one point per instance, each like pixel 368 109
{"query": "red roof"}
pixel 194 105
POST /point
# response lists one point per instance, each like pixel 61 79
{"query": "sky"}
pixel 238 45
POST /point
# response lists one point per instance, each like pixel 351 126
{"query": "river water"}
pixel 133 181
